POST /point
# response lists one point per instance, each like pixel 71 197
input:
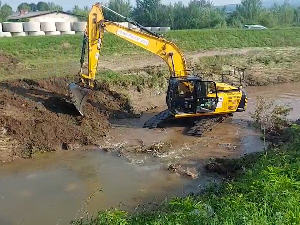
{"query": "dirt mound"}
pixel 39 115
pixel 7 62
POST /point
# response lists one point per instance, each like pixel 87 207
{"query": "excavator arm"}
pixel 96 26
pixel 147 40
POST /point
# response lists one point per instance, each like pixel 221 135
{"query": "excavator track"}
pixel 204 125
pixel 157 119
pixel 200 126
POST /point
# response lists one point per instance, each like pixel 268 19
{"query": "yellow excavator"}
pixel 187 95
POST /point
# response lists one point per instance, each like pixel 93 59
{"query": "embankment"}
pixel 39 116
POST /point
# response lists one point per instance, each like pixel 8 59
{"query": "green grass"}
pixel 148 79
pixel 266 191
pixel 69 47
pixel 58 56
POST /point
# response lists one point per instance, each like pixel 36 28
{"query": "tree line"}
pixel 197 14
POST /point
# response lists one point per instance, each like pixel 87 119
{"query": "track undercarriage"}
pixel 199 127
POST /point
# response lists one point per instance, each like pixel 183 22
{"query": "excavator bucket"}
pixel 79 96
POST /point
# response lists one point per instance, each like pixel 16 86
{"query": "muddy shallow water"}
pixel 52 188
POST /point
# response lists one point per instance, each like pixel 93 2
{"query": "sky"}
pixel 68 4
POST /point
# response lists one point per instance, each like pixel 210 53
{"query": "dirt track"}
pixel 139 62
pixel 38 116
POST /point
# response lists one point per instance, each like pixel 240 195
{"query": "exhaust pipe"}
pixel 79 96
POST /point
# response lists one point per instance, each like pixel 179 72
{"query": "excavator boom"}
pixel 96 25
pixel 187 96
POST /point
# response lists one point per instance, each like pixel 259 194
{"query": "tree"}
pixel 146 12
pixel 80 11
pixel 5 11
pixel 33 7
pixel 122 7
pixel 250 10
pixel 297 16
pixel 24 6
pixel 42 6
pixel 286 14
pixel 53 6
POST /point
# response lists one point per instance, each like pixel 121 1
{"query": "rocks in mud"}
pixel 177 168
pixel 70 146
pixel 156 149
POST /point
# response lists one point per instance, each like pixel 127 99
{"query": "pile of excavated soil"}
pixel 39 116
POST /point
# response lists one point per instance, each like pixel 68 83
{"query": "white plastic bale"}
pixel 19 34
pixel 5 34
pixel 0 27
pixel 36 33
pixel 164 29
pixel 48 26
pixel 12 27
pixel 124 24
pixel 52 33
pixel 63 26
pixel 31 26
pixel 67 32
pixel 79 26
pixel 79 32
pixel 131 26
pixel 154 28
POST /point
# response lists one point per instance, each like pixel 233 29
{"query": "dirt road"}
pixel 133 62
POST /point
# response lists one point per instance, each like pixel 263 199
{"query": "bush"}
pixel 269 117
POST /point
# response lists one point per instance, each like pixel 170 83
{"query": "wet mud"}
pixel 39 116
pixel 131 165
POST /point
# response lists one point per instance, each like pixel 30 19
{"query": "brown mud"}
pixel 38 116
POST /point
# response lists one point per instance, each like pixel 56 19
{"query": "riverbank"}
pixel 122 93
pixel 262 188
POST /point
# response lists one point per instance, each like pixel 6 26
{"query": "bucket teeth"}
pixel 79 96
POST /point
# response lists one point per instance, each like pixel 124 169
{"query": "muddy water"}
pixel 53 188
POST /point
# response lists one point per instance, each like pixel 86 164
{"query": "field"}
pixel 36 114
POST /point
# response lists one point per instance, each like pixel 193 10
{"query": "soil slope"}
pixel 39 116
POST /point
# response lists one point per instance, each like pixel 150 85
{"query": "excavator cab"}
pixel 191 95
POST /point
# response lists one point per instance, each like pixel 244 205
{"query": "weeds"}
pixel 269 117
pixel 262 67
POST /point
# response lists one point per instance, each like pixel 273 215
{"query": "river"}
pixel 54 188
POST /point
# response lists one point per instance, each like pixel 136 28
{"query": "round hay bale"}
pixel 124 24
pixel 31 26
pixel 12 27
pixel 48 26
pixel 63 26
pixel 19 34
pixel 79 26
pixel 155 29
pixel 164 29
pixel 36 33
pixel 67 32
pixel 132 26
pixel 52 33
pixel 5 34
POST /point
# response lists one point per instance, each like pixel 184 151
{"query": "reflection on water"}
pixel 54 188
